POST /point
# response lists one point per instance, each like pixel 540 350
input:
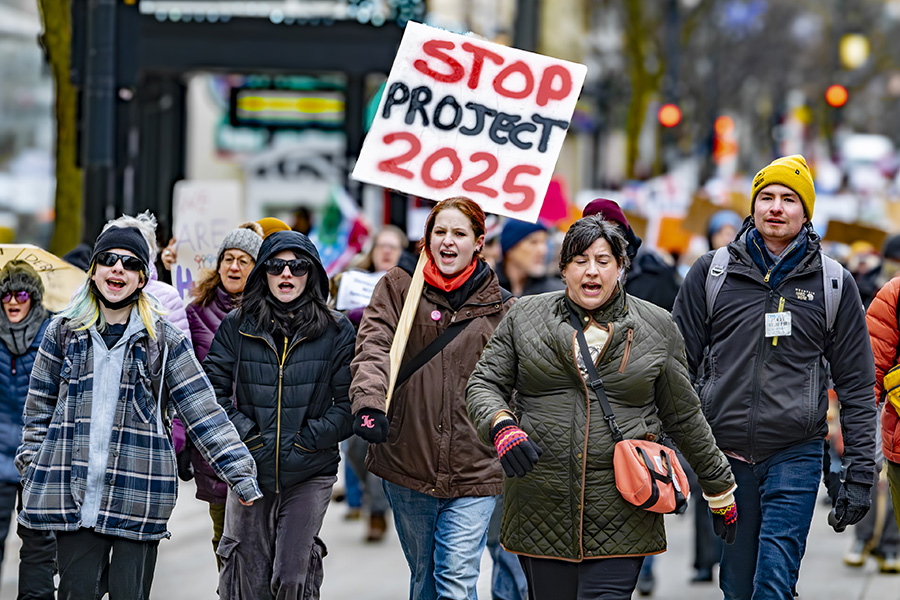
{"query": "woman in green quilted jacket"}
pixel 575 535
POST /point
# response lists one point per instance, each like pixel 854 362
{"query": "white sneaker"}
pixel 856 555
pixel 889 564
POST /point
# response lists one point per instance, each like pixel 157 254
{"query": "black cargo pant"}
pixel 271 549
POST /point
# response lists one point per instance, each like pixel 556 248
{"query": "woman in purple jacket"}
pixel 214 297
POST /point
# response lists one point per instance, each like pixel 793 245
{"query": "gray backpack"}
pixel 832 282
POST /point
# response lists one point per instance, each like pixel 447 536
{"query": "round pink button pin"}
pixel 435 315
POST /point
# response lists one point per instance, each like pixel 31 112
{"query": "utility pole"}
pixel 526 26
pixel 99 101
pixel 668 148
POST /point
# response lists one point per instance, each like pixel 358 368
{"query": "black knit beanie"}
pixel 126 238
pixel 18 275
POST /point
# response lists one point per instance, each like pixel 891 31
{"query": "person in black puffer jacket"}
pixel 280 365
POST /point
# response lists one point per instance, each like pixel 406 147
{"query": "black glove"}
pixel 371 425
pixel 185 468
pixel 725 522
pixel 851 506
pixel 518 454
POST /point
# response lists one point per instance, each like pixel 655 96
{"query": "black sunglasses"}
pixel 299 266
pixel 129 263
pixel 21 297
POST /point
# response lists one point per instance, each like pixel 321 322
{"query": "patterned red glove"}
pixel 725 522
pixel 517 453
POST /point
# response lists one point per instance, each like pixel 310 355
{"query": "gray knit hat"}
pixel 18 275
pixel 247 237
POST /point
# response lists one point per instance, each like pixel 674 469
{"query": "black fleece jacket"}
pixel 762 397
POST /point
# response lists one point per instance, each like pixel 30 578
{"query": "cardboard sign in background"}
pixel 203 213
pixel 464 117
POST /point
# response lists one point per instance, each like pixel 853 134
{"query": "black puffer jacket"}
pixel 292 407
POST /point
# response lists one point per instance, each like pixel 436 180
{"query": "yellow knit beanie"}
pixel 792 172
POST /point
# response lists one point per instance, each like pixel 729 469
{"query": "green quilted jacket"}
pixel 568 507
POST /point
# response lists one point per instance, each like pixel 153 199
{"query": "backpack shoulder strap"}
pixel 505 295
pixel 715 278
pixel 833 283
pixel 63 335
pixel 156 354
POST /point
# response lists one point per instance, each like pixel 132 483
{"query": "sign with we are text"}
pixel 464 117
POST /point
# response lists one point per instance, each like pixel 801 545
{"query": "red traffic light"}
pixel 836 95
pixel 669 115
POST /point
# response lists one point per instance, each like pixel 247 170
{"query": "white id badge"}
pixel 778 324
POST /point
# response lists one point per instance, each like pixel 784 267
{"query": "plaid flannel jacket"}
pixel 140 484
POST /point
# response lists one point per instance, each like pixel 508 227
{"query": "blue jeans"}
pixel 775 500
pixel 443 540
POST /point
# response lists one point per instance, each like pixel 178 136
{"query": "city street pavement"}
pixel 355 570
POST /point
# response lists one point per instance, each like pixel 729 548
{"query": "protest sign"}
pixel 203 212
pixel 356 289
pixel 464 117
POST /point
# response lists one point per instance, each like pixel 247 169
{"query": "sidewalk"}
pixel 355 570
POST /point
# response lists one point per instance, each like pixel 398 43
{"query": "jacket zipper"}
pixel 278 414
pixel 587 426
pixel 769 272
pixel 754 408
pixel 587 430
pixel 628 339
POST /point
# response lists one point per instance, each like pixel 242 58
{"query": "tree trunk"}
pixel 56 17
pixel 644 84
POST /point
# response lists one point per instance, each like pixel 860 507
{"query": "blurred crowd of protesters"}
pixel 257 385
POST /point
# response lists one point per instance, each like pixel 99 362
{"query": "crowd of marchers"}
pixel 478 399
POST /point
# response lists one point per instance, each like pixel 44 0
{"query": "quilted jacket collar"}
pixel 614 309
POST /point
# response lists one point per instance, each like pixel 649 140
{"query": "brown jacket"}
pixel 432 447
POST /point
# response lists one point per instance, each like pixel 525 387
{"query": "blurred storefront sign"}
pixel 285 178
pixel 285 12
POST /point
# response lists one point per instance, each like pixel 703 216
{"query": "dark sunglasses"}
pixel 129 263
pixel 21 297
pixel 299 266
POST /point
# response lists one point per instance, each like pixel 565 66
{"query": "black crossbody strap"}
pixel 430 351
pixel 596 383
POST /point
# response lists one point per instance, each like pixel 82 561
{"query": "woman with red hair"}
pixel 440 480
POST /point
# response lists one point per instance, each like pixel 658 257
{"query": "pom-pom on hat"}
pixel 270 225
pixel 790 171
pixel 18 275
pixel 248 237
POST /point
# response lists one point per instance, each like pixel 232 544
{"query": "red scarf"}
pixel 434 276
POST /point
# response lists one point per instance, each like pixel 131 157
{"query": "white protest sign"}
pixel 464 117
pixel 356 289
pixel 203 213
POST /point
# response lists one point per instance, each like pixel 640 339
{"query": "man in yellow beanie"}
pixel 758 326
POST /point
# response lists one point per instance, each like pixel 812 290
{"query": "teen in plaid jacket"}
pixel 97 461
